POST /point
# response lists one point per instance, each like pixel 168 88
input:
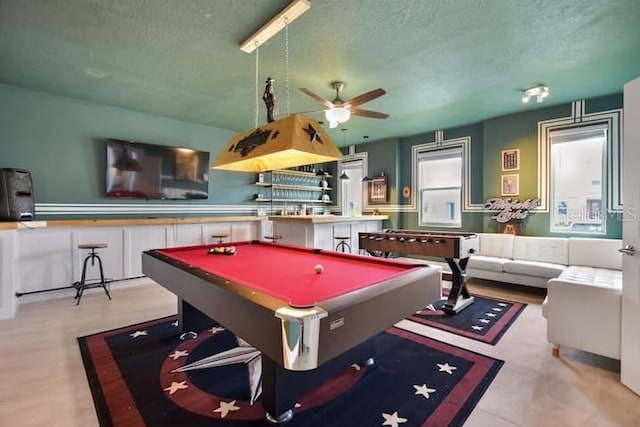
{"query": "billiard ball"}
pixel 318 268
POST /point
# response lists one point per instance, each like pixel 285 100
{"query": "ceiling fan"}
pixel 339 111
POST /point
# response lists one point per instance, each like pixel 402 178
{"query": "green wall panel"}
pixel 60 141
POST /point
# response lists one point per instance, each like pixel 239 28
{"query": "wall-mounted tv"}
pixel 148 171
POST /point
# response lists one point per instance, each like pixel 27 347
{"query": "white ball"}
pixel 318 268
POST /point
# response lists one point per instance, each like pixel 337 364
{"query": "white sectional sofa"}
pixel 583 277
pixel 522 260
pixel 583 305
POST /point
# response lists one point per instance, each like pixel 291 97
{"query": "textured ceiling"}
pixel 443 63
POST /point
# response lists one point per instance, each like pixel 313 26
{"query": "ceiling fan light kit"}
pixel 337 115
pixel 540 92
pixel 339 111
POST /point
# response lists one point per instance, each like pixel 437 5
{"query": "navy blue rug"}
pixel 415 381
pixel 486 320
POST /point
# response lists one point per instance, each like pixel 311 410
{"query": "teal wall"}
pixel 488 139
pixel 59 140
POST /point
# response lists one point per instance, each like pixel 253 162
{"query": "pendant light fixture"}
pixel 294 140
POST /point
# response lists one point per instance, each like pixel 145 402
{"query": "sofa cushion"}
pixel 534 268
pixel 601 277
pixel 554 250
pixel 486 263
pixel 598 253
pixel 496 245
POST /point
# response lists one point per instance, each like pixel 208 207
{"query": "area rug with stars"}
pixel 486 320
pixel 144 375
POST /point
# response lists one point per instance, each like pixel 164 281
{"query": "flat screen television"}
pixel 137 170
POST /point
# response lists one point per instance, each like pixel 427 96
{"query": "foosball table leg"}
pixel 459 296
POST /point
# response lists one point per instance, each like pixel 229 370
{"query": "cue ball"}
pixel 318 268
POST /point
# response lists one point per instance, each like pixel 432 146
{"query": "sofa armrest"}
pixel 585 316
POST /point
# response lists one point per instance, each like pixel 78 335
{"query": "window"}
pixel 440 187
pixel 578 170
pixel 351 189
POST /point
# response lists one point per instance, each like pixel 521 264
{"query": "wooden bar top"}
pixel 326 219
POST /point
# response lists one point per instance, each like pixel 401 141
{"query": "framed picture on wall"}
pixel 510 160
pixel 378 191
pixel 510 185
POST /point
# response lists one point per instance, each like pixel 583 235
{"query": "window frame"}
pixel 440 153
pixel 559 132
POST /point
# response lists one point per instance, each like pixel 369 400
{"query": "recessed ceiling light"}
pixel 540 92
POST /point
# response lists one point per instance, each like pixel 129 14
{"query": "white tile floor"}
pixel 43 381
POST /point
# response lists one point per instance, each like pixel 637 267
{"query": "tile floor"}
pixel 43 381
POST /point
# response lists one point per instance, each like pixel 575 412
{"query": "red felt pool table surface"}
pixel 287 272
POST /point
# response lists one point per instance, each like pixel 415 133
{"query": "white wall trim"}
pixel 614 121
pixel 50 209
pixel 439 144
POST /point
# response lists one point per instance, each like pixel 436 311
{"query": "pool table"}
pixel 307 325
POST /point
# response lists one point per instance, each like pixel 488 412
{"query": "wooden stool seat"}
pixel 84 282
pixel 220 237
pixel 273 238
pixel 92 246
pixel 342 245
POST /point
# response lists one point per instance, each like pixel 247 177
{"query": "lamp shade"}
pixel 295 140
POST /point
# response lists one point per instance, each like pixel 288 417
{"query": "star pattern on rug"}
pixel 484 320
pixel 476 327
pixel 179 353
pixel 393 420
pixel 355 366
pixel 423 390
pixel 226 407
pixel 175 323
pixel 445 367
pixel 175 386
pixel 216 329
pixel 137 334
pixel 490 314
pixel 496 309
pixel 502 304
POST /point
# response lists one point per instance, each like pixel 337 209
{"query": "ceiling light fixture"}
pixel 275 25
pixel 294 140
pixel 337 115
pixel 540 92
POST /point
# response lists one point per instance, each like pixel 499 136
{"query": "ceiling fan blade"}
pixel 310 111
pixel 365 97
pixel 368 113
pixel 318 98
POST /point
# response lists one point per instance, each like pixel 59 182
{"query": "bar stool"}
pixel 274 238
pixel 93 256
pixel 220 237
pixel 342 245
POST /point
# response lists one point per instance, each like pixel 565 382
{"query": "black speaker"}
pixel 16 195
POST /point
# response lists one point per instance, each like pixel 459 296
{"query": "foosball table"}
pixel 454 247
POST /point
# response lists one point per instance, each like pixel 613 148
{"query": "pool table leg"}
pixel 281 388
pixel 191 320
